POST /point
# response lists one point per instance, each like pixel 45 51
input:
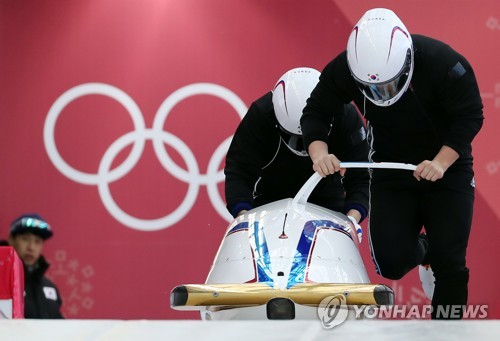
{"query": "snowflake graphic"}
pixel 77 279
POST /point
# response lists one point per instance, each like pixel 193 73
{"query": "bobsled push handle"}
pixel 306 190
pixel 384 165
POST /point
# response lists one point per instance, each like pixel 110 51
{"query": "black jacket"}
pixel 261 169
pixel 42 299
pixel 442 107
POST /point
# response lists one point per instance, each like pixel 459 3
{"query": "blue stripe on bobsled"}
pixel 300 261
pixel 239 227
pixel 262 257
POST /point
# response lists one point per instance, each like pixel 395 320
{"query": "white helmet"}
pixel 289 99
pixel 380 56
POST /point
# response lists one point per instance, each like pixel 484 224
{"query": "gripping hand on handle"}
pixel 324 163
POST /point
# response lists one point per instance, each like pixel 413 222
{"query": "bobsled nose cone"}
pixel 179 296
pixel 383 295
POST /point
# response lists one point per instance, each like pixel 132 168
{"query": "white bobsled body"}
pixel 279 261
pixel 282 244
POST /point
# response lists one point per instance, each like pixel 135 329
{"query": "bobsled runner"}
pixel 280 260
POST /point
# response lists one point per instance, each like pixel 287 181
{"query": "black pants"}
pixel 400 206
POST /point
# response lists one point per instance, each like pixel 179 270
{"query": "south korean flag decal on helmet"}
pixel 380 56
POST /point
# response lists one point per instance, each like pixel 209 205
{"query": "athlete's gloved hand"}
pixel 357 227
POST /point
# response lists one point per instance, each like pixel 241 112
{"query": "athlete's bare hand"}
pixel 429 170
pixel 328 164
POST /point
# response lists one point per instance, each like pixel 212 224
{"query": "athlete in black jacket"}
pixel 265 163
pixel 423 106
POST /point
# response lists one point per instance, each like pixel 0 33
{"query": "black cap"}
pixel 31 223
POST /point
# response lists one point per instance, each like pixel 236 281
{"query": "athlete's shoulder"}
pixel 337 65
pixel 434 51
pixel 261 112
pixel 420 40
pixel 264 103
pixel 438 60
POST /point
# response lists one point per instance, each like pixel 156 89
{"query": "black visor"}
pixel 294 142
pixel 385 91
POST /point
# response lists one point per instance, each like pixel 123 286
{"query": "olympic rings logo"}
pixel 138 137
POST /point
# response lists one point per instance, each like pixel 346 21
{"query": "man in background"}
pixel 28 234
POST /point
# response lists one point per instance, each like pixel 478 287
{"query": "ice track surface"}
pixel 187 330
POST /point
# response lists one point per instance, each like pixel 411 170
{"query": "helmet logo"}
pixel 394 30
pixel 282 83
pixel 356 41
pixel 373 77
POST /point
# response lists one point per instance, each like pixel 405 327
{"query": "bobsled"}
pixel 281 260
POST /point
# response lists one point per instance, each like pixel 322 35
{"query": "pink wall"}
pixel 124 238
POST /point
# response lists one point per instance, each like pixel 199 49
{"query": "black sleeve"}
pixel 462 102
pixel 253 146
pixel 327 100
pixel 349 143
